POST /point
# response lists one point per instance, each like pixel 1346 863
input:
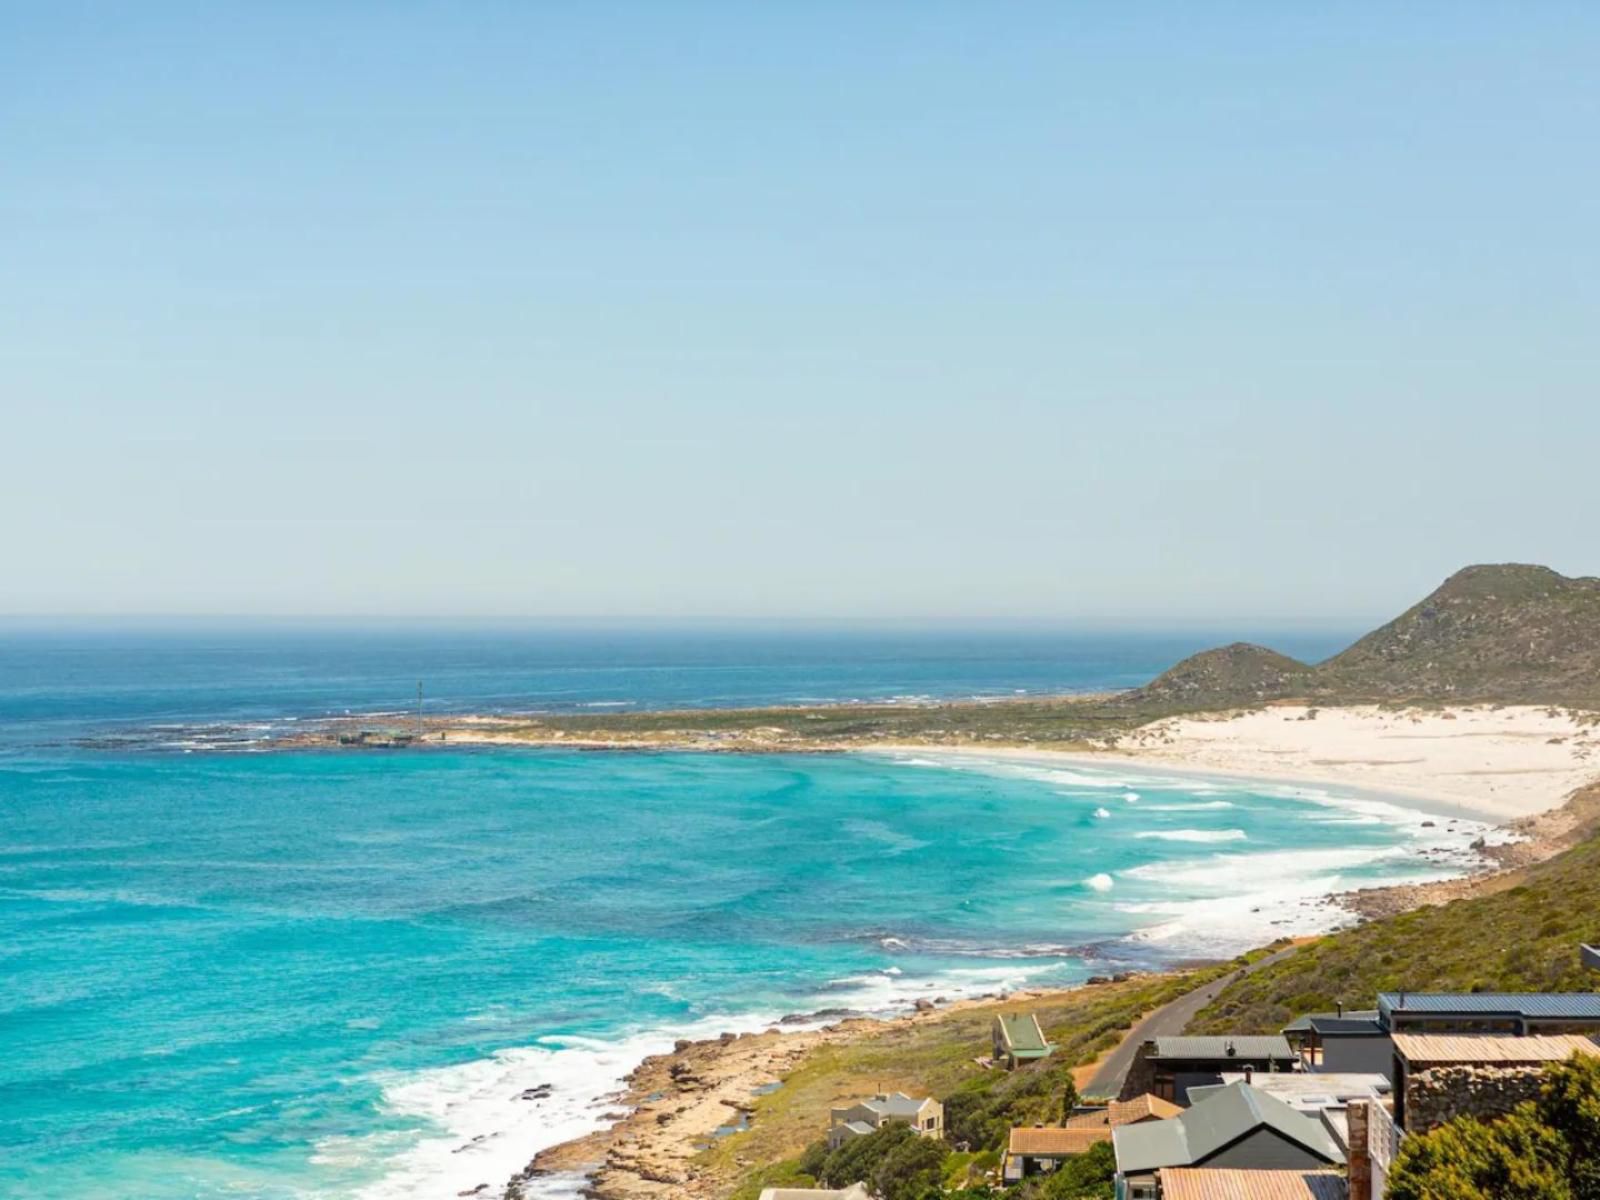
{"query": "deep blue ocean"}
pixel 226 973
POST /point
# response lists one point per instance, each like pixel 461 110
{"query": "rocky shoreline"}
pixel 680 1103
pixel 1537 838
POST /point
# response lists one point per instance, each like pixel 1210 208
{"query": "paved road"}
pixel 1167 1021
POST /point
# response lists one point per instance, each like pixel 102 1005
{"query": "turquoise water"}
pixel 288 975
pixel 297 975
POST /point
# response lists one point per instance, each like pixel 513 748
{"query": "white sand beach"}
pixel 1497 763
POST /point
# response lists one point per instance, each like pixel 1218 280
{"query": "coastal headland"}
pixel 1482 700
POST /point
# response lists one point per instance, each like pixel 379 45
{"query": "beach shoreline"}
pixel 648 1155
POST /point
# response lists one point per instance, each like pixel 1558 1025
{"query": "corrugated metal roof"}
pixel 1331 1020
pixel 1057 1140
pixel 1547 1006
pixel 1221 1049
pixel 1022 1032
pixel 1213 1123
pixel 1187 1183
pixel 1417 1048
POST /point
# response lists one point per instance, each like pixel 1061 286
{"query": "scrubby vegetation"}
pixel 1548 1149
pixel 1524 938
pixel 937 1057
pixel 1508 634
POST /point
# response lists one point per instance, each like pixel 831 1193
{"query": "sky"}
pixel 1075 312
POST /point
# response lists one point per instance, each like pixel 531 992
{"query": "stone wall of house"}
pixel 1442 1094
pixel 1141 1077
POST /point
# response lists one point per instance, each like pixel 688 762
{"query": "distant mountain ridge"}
pixel 1505 633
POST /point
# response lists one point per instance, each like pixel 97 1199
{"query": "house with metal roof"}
pixel 1325 1096
pixel 1346 1041
pixel 1519 1013
pixel 1186 1183
pixel 1423 1065
pixel 1237 1127
pixel 1018 1039
pixel 925 1116
pixel 1169 1066
pixel 1038 1150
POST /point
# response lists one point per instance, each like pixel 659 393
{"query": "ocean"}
pixel 297 975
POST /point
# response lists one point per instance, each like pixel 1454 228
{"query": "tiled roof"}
pixel 1140 1108
pixel 1548 1006
pixel 1189 1183
pixel 1056 1141
pixel 1418 1048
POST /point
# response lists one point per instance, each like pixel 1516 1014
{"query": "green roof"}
pixel 1023 1036
pixel 1215 1123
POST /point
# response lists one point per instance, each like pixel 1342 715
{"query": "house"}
pixel 1326 1097
pixel 1018 1039
pixel 1186 1183
pixel 1358 1040
pixel 1124 1112
pixel 1440 1076
pixel 1038 1150
pixel 1170 1066
pixel 925 1116
pixel 1518 1013
pixel 856 1191
pixel 1353 1041
pixel 1237 1127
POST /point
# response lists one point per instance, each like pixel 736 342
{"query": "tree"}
pixel 1069 1097
pixel 911 1169
pixel 1569 1103
pixel 1514 1158
pixel 1090 1176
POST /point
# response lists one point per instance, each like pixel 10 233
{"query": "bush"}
pixel 981 1115
pixel 1089 1176
pixel 1548 1149
pixel 894 1162
pixel 911 1169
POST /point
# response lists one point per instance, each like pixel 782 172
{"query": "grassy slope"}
pixel 1524 938
pixel 933 1057
pixel 1063 722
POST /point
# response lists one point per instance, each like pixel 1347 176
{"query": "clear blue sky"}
pixel 1087 311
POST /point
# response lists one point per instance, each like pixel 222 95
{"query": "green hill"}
pixel 1522 938
pixel 1499 633
pixel 1505 634
pixel 1236 675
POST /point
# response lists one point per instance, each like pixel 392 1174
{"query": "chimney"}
pixel 1341 1008
pixel 1358 1117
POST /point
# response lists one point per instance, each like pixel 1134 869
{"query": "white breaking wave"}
pixel 1198 806
pixel 1100 883
pixel 1102 812
pixel 483 1132
pixel 1194 835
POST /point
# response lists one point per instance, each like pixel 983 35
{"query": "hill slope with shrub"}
pixel 1501 633
pixel 1524 937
